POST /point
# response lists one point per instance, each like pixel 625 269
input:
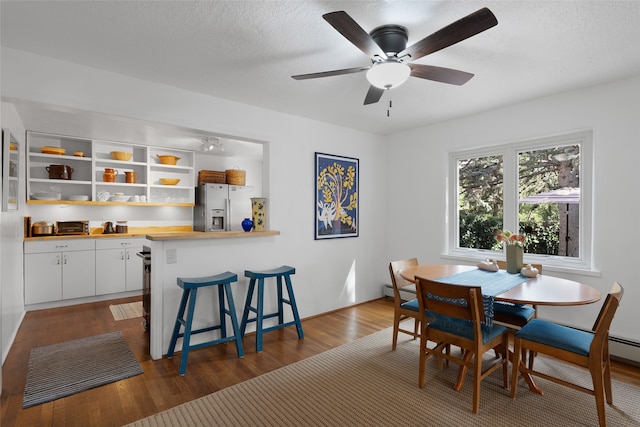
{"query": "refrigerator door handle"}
pixel 227 224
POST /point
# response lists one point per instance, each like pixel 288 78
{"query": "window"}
pixel 540 188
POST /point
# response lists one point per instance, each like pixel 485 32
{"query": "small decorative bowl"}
pixel 53 150
pixel 169 181
pixel 121 155
pixel 78 153
pixel 166 159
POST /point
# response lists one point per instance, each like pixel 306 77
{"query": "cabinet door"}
pixel 134 269
pixel 42 277
pixel 78 274
pixel 110 271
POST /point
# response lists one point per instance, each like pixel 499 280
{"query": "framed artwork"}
pixel 10 171
pixel 336 201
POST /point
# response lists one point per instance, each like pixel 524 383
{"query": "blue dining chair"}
pixel 589 349
pixel 458 316
pixel 403 310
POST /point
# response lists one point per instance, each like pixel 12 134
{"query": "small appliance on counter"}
pixel 108 228
pixel 43 228
pixel 122 227
pixel 69 228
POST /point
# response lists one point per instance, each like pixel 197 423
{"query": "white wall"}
pixel 322 266
pixel 417 164
pixel 11 233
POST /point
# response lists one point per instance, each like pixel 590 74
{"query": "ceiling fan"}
pixel 390 57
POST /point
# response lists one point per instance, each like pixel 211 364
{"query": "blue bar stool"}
pixel 190 292
pixel 280 272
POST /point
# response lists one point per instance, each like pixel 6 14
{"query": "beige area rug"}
pixel 364 383
pixel 126 311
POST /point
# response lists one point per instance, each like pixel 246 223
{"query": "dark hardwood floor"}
pixel 160 387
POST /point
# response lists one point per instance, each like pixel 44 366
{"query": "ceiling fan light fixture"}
pixel 388 75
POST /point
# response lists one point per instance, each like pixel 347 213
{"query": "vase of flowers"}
pixel 514 245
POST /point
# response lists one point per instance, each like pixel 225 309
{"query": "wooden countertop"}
pixel 96 233
pixel 210 235
pixel 160 233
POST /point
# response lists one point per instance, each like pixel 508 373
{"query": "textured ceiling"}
pixel 246 51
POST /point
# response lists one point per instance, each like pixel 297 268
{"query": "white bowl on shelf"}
pixel 119 198
pixel 79 197
pixel 45 196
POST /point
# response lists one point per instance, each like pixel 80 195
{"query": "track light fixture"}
pixel 211 143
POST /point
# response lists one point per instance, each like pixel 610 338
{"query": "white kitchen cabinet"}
pixel 59 269
pixel 118 268
pixel 78 274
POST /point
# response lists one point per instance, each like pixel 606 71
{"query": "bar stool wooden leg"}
pixel 179 322
pixel 247 307
pixel 234 320
pixel 294 306
pixel 186 336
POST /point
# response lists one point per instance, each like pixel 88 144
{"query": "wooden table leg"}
pixel 525 375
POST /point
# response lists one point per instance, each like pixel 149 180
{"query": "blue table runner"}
pixel 492 283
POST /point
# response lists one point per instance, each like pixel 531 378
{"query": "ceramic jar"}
pixel 259 213
pixel 109 175
pixel 130 177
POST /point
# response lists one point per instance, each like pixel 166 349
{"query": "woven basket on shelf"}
pixel 211 177
pixel 236 176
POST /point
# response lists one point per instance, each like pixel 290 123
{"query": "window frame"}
pixel 509 153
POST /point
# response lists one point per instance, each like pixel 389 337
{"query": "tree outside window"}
pixel 546 198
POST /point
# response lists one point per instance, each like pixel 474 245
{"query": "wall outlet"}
pixel 172 256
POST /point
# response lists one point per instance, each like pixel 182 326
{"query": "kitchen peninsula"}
pixel 197 254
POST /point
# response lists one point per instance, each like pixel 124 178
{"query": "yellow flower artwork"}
pixel 336 196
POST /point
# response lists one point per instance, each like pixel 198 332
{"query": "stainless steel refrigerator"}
pixel 221 207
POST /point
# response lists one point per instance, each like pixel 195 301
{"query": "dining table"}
pixel 540 290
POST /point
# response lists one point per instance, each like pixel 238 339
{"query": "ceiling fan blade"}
pixel 330 73
pixel 440 74
pixel 373 95
pixel 462 29
pixel 353 32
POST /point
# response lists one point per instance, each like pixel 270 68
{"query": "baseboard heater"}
pixel 407 293
pixel 621 349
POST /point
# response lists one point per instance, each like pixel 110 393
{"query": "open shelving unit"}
pixel 87 173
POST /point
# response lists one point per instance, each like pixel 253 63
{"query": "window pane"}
pixel 480 201
pixel 549 208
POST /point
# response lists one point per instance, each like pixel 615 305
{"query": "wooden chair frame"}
pixel 400 314
pixel 597 361
pixel 472 348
